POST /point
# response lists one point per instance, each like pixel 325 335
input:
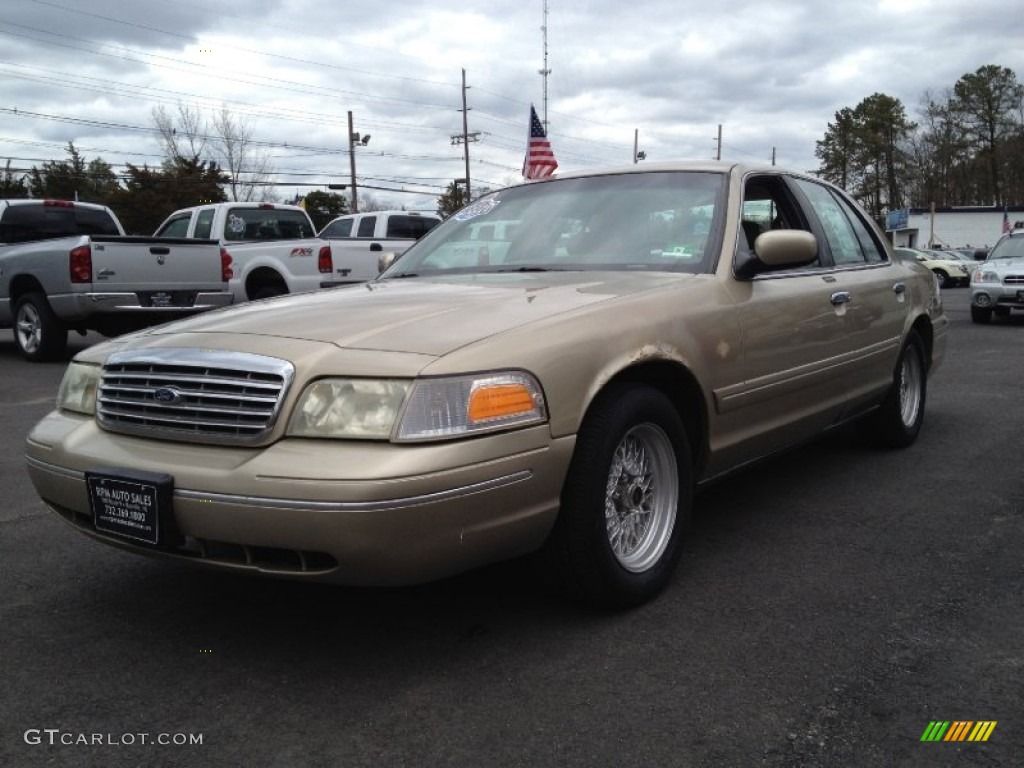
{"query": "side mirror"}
pixel 385 260
pixel 777 249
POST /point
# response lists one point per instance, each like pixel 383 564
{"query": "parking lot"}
pixel 830 604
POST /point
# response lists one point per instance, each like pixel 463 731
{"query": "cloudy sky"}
pixel 772 74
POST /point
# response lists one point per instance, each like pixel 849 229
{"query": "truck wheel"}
pixel 898 420
pixel 625 502
pixel 38 331
pixel 981 315
pixel 268 291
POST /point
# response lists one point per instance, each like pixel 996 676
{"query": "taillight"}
pixel 324 262
pixel 80 264
pixel 226 272
pixel 59 203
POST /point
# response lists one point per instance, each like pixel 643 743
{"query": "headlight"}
pixel 468 405
pixel 78 388
pixel 352 408
pixel 985 276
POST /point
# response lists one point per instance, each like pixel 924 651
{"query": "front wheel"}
pixel 940 278
pixel 626 500
pixel 898 420
pixel 39 333
pixel 981 315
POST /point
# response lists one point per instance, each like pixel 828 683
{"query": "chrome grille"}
pixel 194 395
pixel 1013 280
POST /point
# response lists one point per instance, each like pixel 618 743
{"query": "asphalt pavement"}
pixel 831 604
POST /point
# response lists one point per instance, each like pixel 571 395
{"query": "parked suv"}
pixel 948 270
pixel 997 284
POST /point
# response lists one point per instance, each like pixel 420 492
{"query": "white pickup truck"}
pixel 273 247
pixel 367 242
pixel 68 266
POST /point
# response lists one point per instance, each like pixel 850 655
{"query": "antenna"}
pixel 545 71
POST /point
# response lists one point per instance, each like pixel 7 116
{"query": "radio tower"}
pixel 545 71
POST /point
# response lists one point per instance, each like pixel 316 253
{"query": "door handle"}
pixel 841 297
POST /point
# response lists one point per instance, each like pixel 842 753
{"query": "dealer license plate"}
pixel 129 503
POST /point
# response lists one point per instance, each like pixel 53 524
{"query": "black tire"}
pixel 619 530
pixel 941 278
pixel 981 315
pixel 38 332
pixel 268 291
pixel 898 420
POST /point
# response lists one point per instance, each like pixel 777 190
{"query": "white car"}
pixel 948 271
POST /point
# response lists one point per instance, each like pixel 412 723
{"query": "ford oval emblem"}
pixel 167 395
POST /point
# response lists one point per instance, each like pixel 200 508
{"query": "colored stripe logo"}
pixel 958 730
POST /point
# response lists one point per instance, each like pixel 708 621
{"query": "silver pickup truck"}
pixel 68 266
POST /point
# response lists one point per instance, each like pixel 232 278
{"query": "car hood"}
pixel 1012 264
pixel 426 316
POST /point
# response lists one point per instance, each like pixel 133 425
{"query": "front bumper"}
pixel 339 511
pixel 992 295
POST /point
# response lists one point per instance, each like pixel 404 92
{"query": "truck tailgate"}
pixel 148 263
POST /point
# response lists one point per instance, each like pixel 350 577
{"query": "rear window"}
pixel 24 223
pixel 267 224
pixel 411 227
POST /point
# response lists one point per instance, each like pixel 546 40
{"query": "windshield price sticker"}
pixel 125 507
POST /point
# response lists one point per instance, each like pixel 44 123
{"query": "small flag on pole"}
pixel 540 160
pixel 1007 229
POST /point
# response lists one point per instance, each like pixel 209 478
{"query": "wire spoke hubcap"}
pixel 641 497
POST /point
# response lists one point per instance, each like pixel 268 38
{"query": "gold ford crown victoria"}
pixel 559 383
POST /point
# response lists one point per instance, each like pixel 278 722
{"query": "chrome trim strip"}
pixel 318 506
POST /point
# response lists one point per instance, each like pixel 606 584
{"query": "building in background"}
pixel 966 227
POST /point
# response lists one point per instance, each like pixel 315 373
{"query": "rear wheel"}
pixel 981 315
pixel 625 501
pixel 898 420
pixel 268 291
pixel 39 333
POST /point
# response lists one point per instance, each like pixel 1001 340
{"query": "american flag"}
pixel 540 160
pixel 1007 229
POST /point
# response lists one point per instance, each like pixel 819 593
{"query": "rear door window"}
pixel 367 226
pixel 204 224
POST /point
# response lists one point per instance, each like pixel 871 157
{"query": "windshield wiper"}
pixel 528 269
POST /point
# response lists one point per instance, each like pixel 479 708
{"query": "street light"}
pixel 354 139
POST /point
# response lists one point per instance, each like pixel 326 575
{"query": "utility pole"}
pixel 465 137
pixel 773 155
pixel 352 162
pixel 718 154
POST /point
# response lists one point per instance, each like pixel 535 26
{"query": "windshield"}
pixel 658 221
pixel 1010 247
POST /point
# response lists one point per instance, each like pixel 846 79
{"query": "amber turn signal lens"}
pixel 499 401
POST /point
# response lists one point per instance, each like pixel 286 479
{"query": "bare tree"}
pixel 183 137
pixel 250 169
